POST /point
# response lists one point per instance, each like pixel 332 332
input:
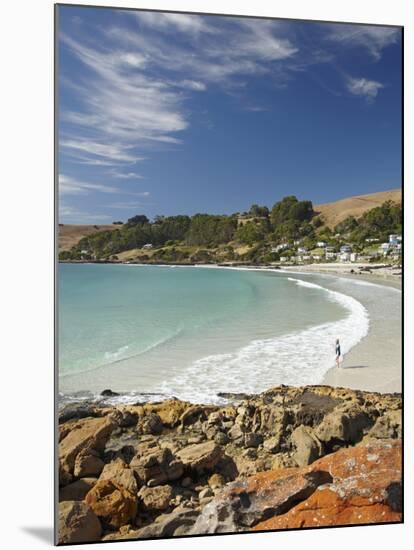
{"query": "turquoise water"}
pixel 194 331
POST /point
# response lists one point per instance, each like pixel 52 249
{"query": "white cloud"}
pixel 72 186
pixel 364 87
pixel 112 152
pixel 372 38
pixel 69 214
pixel 187 23
pixel 193 85
pixel 126 175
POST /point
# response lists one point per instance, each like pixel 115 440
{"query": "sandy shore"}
pixel 375 364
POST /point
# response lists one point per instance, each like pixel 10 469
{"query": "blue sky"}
pixel 178 114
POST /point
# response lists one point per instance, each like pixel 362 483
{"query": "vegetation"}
pixel 250 237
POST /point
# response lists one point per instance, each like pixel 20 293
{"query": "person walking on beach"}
pixel 337 352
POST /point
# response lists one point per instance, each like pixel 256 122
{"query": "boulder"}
pixel 157 467
pixel 244 503
pixel 343 426
pixel 156 498
pixel 77 490
pixel 109 393
pixel 77 523
pixel 201 457
pixel 121 475
pixel 87 464
pixel 177 523
pixel 113 504
pixel 91 434
pixel 150 424
pixel 389 425
pixel 307 447
pixel 252 439
pixel 366 488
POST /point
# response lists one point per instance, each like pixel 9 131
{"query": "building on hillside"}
pixel 371 240
pixel 353 257
pixel 344 256
pixel 330 253
pixel 284 259
pixel 279 247
pixel 394 239
pixel 321 244
pixel 384 248
pixel 345 249
pixel 147 246
pixel 302 250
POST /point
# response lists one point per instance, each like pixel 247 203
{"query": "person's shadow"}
pixel 44 534
pixel 355 367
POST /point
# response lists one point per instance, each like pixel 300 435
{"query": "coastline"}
pixel 373 364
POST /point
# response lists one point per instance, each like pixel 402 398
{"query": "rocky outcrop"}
pixel 262 462
pixel 77 523
pixel 366 488
pixel 113 504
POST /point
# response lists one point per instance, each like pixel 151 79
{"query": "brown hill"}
pixel 71 234
pixel 333 213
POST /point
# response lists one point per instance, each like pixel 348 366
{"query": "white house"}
pixel 345 248
pixel 353 257
pixel 394 239
pixel 330 253
pixel 147 246
pixel 302 250
pixel 321 244
pixel 279 247
pixel 284 259
pixel 344 256
pixel 371 240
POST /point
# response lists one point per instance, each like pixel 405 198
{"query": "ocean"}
pixel 192 332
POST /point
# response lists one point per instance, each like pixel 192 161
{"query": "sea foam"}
pixel 299 358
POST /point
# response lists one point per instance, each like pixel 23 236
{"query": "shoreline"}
pixel 360 374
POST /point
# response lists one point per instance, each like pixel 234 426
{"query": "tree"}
pixel 259 211
pixel 250 233
pixel 140 219
pixel 290 209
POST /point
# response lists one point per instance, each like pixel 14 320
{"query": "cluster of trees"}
pixel 377 223
pixel 260 228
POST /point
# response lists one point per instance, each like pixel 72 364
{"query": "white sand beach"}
pixel 375 363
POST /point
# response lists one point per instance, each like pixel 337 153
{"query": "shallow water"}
pixel 191 332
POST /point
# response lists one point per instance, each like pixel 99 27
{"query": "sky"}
pixel 165 114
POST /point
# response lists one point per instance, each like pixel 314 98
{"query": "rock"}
pixel 77 490
pixel 387 425
pixel 150 424
pixel 272 444
pixel 77 523
pixel 216 480
pixel 109 393
pixel 236 432
pixel 121 475
pixel 207 492
pixel 113 504
pixel 177 523
pixel 307 447
pixel 250 453
pixel 87 464
pixel 252 439
pixel 221 438
pixel 201 457
pixel 344 427
pixel 78 411
pixel 244 503
pixel 170 411
pixel 91 434
pixel 157 467
pixel 366 488
pixel 156 498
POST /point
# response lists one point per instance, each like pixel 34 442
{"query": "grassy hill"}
pixel 333 213
pixel 71 234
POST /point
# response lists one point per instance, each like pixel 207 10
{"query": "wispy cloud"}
pixel 126 175
pixel 72 186
pixel 125 205
pixel 373 39
pixel 364 87
pixel 70 214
